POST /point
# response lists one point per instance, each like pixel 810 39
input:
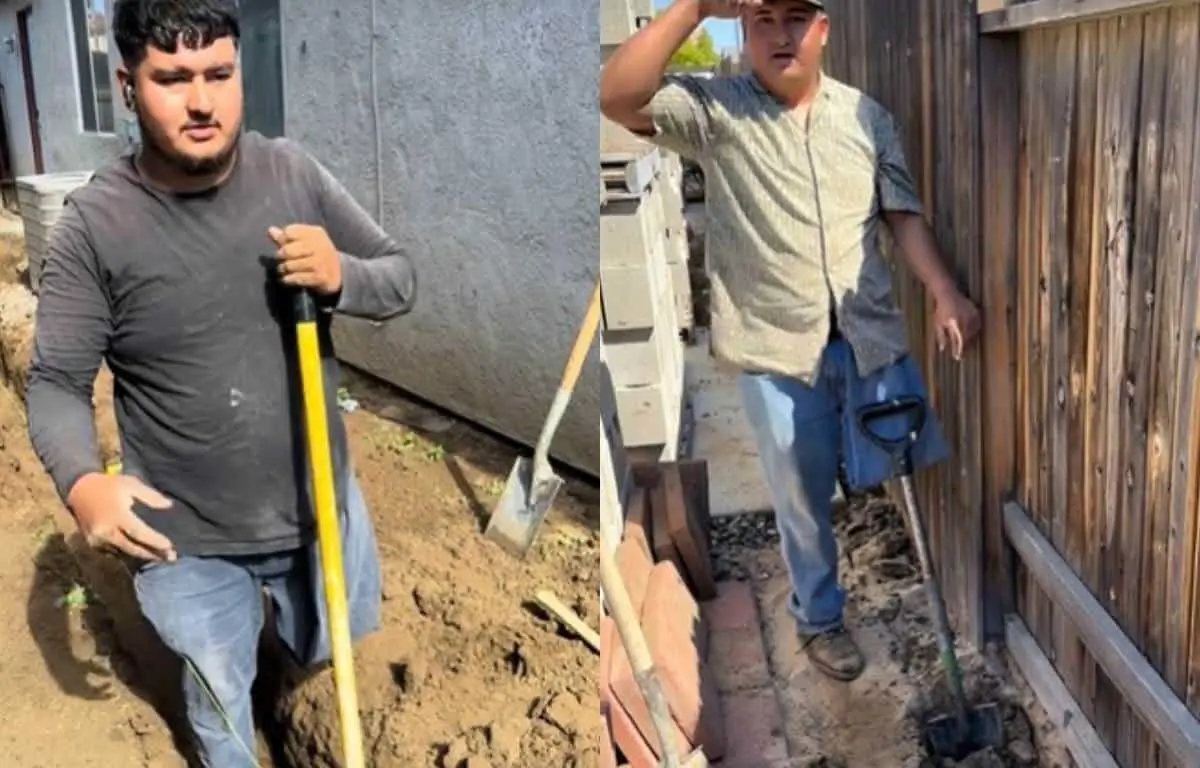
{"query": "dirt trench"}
pixel 466 670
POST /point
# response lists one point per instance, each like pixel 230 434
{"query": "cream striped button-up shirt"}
pixel 794 209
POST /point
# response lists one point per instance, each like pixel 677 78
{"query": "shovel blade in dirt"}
pixel 532 484
pixel 944 736
pixel 522 508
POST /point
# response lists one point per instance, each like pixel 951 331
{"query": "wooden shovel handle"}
pixel 583 342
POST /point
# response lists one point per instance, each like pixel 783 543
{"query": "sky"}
pixel 723 31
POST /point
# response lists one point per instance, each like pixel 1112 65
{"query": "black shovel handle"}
pixel 910 406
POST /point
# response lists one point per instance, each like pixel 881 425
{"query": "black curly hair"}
pixel 164 24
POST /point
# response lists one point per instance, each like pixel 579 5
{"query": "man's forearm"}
pixel 635 71
pixel 377 288
pixel 63 430
pixel 920 252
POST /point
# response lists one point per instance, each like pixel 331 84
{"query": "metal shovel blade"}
pixel 522 507
pixel 985 728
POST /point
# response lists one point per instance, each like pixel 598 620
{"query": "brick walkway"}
pixel 738 658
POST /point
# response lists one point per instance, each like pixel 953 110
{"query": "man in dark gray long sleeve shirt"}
pixel 177 266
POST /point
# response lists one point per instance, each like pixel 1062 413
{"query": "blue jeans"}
pixel 209 611
pixel 802 432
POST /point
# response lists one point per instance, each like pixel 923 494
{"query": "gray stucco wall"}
pixel 490 167
pixel 65 145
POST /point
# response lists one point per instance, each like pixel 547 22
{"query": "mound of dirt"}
pixel 466 670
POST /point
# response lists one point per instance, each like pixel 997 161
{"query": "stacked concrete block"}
pixel 41 199
pixel 675 234
pixel 615 478
pixel 641 327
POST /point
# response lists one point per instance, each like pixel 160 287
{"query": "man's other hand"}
pixel 956 322
pixel 307 258
pixel 103 509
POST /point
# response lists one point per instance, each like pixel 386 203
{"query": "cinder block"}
pixel 615 139
pixel 643 413
pixel 681 286
pixel 627 297
pixel 634 356
pixel 626 236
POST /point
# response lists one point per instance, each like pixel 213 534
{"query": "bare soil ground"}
pixel 465 670
pixel 876 720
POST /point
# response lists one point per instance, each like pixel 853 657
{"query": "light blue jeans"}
pixel 209 611
pixel 802 432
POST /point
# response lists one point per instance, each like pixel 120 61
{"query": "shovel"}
pixel 316 433
pixel 532 486
pixel 966 729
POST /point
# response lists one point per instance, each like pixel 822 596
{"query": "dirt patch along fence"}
pixel 1058 149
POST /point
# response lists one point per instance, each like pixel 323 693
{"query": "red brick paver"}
pixel 733 608
pixel 753 729
pixel 738 660
pixel 736 672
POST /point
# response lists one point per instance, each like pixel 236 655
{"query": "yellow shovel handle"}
pixel 329 543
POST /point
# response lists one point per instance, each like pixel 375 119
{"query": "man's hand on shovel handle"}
pixel 307 258
pixel 103 509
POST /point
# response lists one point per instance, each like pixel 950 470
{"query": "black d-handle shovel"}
pixel 965 730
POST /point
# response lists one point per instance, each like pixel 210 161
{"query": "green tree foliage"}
pixel 697 53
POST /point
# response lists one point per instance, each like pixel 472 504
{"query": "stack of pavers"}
pixel 664 561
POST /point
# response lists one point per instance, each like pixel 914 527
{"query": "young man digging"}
pixel 177 265
pixel 800 172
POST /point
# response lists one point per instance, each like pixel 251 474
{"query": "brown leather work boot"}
pixel 835 654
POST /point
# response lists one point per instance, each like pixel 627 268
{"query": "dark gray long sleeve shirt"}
pixel 178 294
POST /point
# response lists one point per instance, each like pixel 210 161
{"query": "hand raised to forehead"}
pixel 727 9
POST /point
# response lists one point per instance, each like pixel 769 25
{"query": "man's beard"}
pixel 186 164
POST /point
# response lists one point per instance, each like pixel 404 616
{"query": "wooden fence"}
pixel 1057 143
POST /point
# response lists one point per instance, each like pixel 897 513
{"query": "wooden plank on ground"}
pixel 1145 690
pixel 1076 732
pixel 1040 13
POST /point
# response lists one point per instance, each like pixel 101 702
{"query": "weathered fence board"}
pixel 924 63
pixel 1060 166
